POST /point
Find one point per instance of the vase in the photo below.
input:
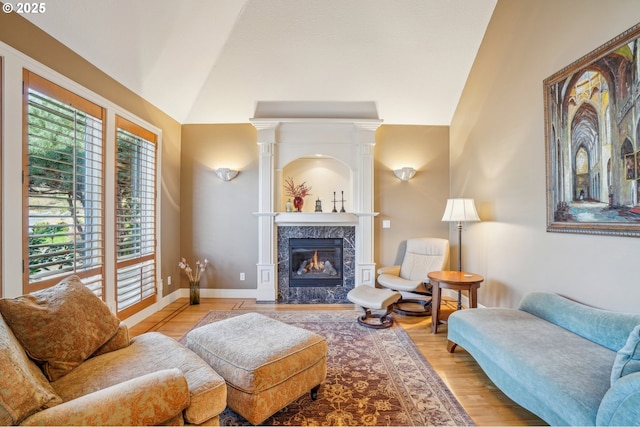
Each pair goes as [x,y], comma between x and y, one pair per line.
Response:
[297,203]
[194,292]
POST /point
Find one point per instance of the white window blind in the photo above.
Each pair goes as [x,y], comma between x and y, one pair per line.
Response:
[64,186]
[1,145]
[135,217]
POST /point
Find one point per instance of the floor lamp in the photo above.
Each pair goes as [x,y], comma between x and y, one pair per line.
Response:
[459,211]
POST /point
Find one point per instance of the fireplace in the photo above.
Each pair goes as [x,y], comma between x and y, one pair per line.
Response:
[322,289]
[289,131]
[315,262]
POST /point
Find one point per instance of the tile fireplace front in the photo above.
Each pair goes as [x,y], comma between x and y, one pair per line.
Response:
[315,264]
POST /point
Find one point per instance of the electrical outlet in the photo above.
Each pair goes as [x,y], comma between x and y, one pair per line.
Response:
[242,276]
[168,280]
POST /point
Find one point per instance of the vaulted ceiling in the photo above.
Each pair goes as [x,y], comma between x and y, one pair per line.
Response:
[212,61]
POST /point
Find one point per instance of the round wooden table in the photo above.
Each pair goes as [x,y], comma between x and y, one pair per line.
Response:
[456,280]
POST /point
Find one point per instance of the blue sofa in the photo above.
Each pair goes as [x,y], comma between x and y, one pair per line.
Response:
[566,362]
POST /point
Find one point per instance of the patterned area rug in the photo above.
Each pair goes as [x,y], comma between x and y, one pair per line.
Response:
[375,377]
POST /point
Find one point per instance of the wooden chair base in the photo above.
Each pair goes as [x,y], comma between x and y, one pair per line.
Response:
[423,310]
[381,321]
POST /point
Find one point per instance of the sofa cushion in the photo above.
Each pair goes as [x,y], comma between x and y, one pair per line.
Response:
[23,388]
[628,358]
[150,352]
[61,326]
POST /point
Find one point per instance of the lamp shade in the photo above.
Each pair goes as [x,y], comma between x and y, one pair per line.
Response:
[460,210]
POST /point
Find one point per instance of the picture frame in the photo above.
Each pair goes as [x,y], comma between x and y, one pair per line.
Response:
[592,141]
[630,166]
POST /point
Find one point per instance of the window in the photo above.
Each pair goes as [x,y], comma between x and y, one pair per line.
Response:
[1,145]
[135,217]
[63,186]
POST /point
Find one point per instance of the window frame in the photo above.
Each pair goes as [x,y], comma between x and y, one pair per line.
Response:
[42,85]
[148,136]
[1,168]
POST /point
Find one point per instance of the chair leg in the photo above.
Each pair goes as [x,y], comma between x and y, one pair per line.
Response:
[314,392]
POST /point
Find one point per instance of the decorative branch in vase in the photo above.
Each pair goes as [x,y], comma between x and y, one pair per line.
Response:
[194,278]
[298,192]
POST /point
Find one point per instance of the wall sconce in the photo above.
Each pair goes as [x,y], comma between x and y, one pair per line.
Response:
[404,174]
[226,174]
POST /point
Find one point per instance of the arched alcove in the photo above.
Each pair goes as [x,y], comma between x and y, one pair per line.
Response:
[328,178]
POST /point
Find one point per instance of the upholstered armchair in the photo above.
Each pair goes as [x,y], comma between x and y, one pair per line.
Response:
[422,256]
[65,359]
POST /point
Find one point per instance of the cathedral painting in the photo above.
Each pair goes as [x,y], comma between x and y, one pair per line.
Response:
[592,124]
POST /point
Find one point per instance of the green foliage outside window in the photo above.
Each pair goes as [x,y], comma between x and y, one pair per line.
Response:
[50,247]
[64,185]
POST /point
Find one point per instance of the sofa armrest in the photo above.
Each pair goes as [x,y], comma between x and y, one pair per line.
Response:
[393,270]
[151,399]
[620,405]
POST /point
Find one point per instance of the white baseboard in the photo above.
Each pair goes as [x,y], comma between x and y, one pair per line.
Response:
[217,293]
[226,293]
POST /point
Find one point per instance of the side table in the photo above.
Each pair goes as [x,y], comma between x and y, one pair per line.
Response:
[456,280]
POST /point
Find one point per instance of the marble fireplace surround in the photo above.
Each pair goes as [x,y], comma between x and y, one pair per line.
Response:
[320,295]
[288,131]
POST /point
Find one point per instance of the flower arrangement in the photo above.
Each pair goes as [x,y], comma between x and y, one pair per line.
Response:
[293,190]
[194,278]
[193,275]
[298,192]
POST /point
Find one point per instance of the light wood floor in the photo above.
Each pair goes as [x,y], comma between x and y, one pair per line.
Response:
[484,403]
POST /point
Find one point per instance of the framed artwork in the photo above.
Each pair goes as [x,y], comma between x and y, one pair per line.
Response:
[630,166]
[592,141]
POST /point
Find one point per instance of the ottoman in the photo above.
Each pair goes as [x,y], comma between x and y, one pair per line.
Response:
[370,298]
[267,364]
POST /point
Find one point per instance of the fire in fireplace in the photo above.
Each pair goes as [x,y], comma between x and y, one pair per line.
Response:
[315,262]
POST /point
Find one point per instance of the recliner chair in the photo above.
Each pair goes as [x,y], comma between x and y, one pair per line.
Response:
[422,256]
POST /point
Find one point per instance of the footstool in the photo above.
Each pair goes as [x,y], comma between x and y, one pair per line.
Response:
[370,298]
[267,364]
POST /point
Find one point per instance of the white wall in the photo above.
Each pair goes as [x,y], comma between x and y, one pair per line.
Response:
[498,157]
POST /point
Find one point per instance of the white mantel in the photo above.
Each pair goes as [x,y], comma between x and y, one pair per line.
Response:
[318,218]
[283,140]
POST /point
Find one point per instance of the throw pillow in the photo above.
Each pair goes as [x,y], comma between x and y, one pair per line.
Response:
[61,326]
[23,388]
[628,357]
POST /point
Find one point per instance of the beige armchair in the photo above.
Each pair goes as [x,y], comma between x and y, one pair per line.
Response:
[65,359]
[422,256]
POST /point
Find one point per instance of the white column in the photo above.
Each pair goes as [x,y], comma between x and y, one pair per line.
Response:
[365,265]
[266,266]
